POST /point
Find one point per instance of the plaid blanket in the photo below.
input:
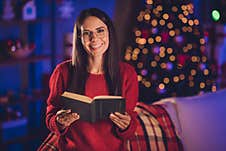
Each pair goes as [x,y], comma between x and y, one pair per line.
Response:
[155,132]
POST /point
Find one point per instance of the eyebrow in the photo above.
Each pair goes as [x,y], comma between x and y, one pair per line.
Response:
[96,28]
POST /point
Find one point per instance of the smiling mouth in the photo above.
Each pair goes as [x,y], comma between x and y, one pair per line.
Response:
[96,46]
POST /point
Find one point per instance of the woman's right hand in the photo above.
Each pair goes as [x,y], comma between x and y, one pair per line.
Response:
[65,118]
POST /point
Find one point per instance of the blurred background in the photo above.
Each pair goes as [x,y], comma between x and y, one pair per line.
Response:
[176,46]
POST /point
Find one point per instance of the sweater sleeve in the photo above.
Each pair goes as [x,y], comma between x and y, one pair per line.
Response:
[56,86]
[130,92]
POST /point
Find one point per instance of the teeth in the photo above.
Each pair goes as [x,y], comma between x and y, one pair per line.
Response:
[96,46]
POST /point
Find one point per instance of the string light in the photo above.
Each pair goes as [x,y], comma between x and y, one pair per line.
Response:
[158,38]
[139,78]
[138,33]
[206,72]
[174,9]
[162,22]
[147,17]
[166,80]
[149,2]
[145,51]
[170,25]
[169,50]
[202,85]
[176,79]
[154,22]
[165,16]
[153,63]
[161,86]
[150,40]
[172,58]
[140,65]
[172,33]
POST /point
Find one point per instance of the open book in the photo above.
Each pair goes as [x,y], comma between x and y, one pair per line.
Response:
[94,109]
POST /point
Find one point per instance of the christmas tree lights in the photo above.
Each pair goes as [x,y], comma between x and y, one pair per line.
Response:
[168,51]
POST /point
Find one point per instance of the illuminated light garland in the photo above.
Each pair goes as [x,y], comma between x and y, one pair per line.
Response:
[174,9]
[150,40]
[190,22]
[172,33]
[145,51]
[202,41]
[182,76]
[170,25]
[153,64]
[202,85]
[138,33]
[158,38]
[191,84]
[162,22]
[165,16]
[147,17]
[206,72]
[161,86]
[149,2]
[166,80]
[193,72]
[154,23]
[140,65]
[172,58]
[139,78]
[169,50]
[176,79]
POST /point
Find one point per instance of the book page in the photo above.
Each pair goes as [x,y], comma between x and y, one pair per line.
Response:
[107,97]
[77,97]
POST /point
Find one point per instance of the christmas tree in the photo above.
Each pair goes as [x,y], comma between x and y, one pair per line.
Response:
[168,51]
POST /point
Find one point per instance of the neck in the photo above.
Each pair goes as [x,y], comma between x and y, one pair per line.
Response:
[95,65]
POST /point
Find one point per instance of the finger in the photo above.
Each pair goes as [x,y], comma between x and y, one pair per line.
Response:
[119,124]
[63,112]
[122,116]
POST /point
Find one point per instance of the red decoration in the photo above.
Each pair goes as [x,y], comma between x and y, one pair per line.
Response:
[181,59]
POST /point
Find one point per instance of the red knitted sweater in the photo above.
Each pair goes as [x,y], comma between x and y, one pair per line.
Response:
[102,135]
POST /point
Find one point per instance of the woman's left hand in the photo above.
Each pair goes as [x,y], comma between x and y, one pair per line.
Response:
[121,120]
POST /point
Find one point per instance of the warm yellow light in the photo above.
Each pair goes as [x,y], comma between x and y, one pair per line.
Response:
[145,51]
[159,8]
[149,2]
[172,33]
[180,16]
[162,54]
[147,17]
[140,65]
[185,49]
[162,49]
[206,72]
[161,86]
[194,59]
[139,78]
[193,72]
[184,20]
[191,84]
[170,25]
[147,84]
[158,39]
[174,9]
[153,63]
[142,41]
[185,13]
[190,22]
[202,41]
[127,56]
[214,88]
[189,46]
[204,59]
[172,58]
[169,50]
[165,16]
[150,40]
[176,79]
[138,33]
[154,22]
[202,85]
[182,76]
[196,22]
[140,18]
[189,29]
[157,58]
[183,7]
[136,51]
[137,40]
[134,57]
[184,29]
[162,22]
[166,80]
[163,65]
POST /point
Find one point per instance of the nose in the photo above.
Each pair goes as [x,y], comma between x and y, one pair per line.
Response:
[93,36]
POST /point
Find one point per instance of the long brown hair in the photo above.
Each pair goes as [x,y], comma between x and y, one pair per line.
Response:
[79,55]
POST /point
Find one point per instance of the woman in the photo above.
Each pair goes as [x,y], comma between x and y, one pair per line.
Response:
[94,70]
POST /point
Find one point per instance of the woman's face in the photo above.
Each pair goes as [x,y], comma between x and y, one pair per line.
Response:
[94,36]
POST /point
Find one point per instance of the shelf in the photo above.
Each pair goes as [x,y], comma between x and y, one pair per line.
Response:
[13,61]
[16,22]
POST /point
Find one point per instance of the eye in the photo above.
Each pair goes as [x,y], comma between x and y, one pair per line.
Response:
[100,30]
[86,33]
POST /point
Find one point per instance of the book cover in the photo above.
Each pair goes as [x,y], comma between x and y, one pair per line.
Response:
[94,109]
